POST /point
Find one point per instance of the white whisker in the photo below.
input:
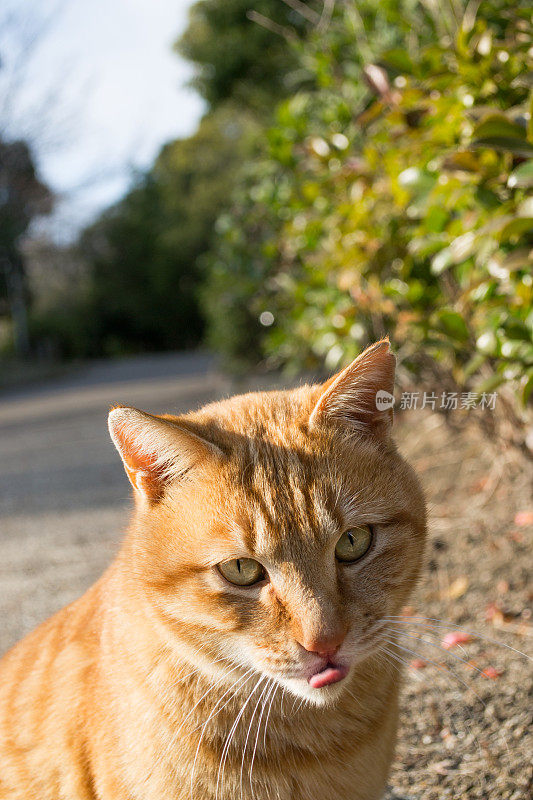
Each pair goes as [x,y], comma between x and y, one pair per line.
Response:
[438,647]
[269,710]
[225,749]
[443,625]
[265,687]
[441,667]
[233,690]
[270,685]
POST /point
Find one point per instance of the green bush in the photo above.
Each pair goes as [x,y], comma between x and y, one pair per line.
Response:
[394,197]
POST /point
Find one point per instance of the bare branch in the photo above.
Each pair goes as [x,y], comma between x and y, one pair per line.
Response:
[23,115]
[304,10]
[270,25]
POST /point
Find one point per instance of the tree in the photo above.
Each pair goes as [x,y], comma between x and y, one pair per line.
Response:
[145,253]
[239,59]
[23,196]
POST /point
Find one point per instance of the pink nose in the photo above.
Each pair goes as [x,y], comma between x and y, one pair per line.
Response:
[326,646]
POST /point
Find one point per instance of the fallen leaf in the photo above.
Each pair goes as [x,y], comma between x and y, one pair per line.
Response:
[455,638]
[523,518]
[418,663]
[457,588]
[494,614]
[498,615]
[492,672]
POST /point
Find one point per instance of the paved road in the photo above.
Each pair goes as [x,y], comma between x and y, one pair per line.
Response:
[64,498]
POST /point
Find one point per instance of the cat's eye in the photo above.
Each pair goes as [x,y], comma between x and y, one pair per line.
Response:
[242,571]
[353,544]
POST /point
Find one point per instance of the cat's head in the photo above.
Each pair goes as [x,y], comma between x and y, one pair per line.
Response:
[277,530]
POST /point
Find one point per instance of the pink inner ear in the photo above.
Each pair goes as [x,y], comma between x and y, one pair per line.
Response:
[134,456]
[155,449]
[140,465]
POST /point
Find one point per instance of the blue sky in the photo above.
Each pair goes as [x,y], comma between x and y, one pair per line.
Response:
[101,91]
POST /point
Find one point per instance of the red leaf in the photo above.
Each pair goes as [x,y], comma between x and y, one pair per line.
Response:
[417,663]
[492,672]
[455,638]
[523,518]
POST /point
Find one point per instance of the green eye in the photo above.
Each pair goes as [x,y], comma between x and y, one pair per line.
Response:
[242,571]
[353,544]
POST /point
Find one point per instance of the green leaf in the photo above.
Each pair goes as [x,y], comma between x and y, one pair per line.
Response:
[528,389]
[500,133]
[441,262]
[516,329]
[490,384]
[453,324]
[399,59]
[487,343]
[509,144]
[473,364]
[487,198]
[521,177]
[497,126]
[418,181]
[516,227]
[459,250]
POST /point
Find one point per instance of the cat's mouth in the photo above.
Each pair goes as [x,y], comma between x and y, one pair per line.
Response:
[331,673]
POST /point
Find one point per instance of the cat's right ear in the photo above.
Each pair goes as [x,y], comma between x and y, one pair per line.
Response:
[360,397]
[154,450]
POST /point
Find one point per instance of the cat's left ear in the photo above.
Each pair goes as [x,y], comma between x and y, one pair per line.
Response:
[361,396]
[155,451]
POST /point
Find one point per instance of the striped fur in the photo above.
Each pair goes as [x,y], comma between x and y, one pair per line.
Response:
[165,682]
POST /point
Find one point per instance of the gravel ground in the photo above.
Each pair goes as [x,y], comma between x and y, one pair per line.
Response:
[466,729]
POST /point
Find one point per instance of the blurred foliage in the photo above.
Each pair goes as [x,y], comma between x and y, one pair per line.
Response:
[394,197]
[238,59]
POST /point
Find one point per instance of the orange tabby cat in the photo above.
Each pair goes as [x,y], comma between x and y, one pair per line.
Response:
[232,650]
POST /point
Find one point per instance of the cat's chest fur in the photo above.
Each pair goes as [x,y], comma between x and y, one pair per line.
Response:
[257,745]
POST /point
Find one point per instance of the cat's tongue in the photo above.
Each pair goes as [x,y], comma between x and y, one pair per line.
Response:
[329,674]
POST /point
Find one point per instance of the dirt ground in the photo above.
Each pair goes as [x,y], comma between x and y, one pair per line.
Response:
[466,725]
